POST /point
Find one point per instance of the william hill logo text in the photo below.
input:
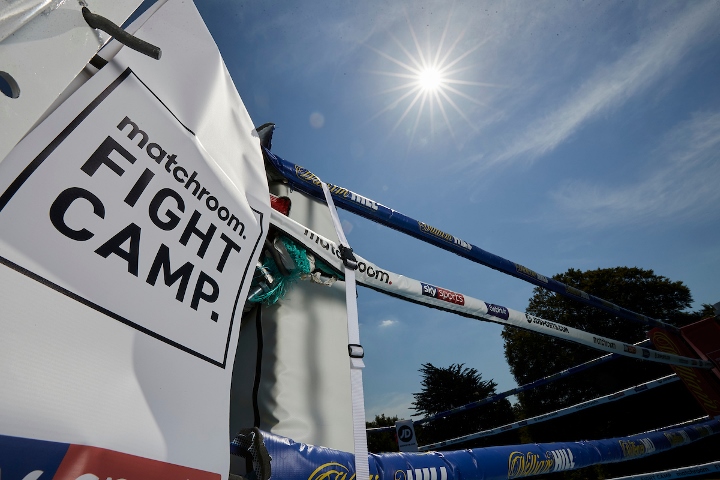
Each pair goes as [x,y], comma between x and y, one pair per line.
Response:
[436,232]
[309,177]
[528,464]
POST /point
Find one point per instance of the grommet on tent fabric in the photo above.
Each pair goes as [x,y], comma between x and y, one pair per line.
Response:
[356,351]
[346,253]
[106,25]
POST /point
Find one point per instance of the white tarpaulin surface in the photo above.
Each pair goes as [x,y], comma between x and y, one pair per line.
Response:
[300,384]
[49,43]
[129,221]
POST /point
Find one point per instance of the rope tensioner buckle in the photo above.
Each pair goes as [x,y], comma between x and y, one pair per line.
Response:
[356,350]
[346,254]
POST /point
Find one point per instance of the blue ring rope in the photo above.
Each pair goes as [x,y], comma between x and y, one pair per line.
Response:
[305,181]
[523,388]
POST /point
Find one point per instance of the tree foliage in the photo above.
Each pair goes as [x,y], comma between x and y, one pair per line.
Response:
[532,356]
[382,442]
[454,386]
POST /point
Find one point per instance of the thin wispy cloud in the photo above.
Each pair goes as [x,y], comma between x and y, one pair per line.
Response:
[388,323]
[680,183]
[655,55]
[330,36]
[391,404]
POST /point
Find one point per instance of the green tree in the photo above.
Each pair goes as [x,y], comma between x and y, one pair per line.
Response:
[532,356]
[382,442]
[454,386]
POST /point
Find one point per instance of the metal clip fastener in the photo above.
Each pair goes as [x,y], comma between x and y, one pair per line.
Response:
[347,256]
[355,350]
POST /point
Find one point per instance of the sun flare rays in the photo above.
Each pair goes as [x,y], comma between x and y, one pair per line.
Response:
[430,82]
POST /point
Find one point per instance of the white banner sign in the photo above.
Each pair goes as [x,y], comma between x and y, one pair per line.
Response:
[123,213]
[131,220]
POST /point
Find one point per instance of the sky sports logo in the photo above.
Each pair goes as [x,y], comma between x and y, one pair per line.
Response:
[497,311]
[442,294]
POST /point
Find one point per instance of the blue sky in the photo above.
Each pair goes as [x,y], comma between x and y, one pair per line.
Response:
[563,134]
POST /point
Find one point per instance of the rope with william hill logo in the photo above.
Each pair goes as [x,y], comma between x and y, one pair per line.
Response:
[301,461]
[305,181]
[401,286]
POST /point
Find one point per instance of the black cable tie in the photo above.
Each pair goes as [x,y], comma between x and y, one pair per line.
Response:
[346,254]
[106,25]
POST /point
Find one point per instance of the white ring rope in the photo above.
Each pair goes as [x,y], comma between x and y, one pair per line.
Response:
[678,425]
[557,413]
[369,275]
[684,472]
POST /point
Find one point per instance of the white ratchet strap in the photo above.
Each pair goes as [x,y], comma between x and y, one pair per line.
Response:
[355,350]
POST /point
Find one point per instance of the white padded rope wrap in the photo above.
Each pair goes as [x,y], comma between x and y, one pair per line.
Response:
[372,276]
[362,470]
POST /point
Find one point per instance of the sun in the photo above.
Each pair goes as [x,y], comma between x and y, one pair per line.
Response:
[430,79]
[433,79]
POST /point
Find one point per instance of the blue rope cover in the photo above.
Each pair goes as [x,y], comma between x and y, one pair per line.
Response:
[305,181]
[298,461]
